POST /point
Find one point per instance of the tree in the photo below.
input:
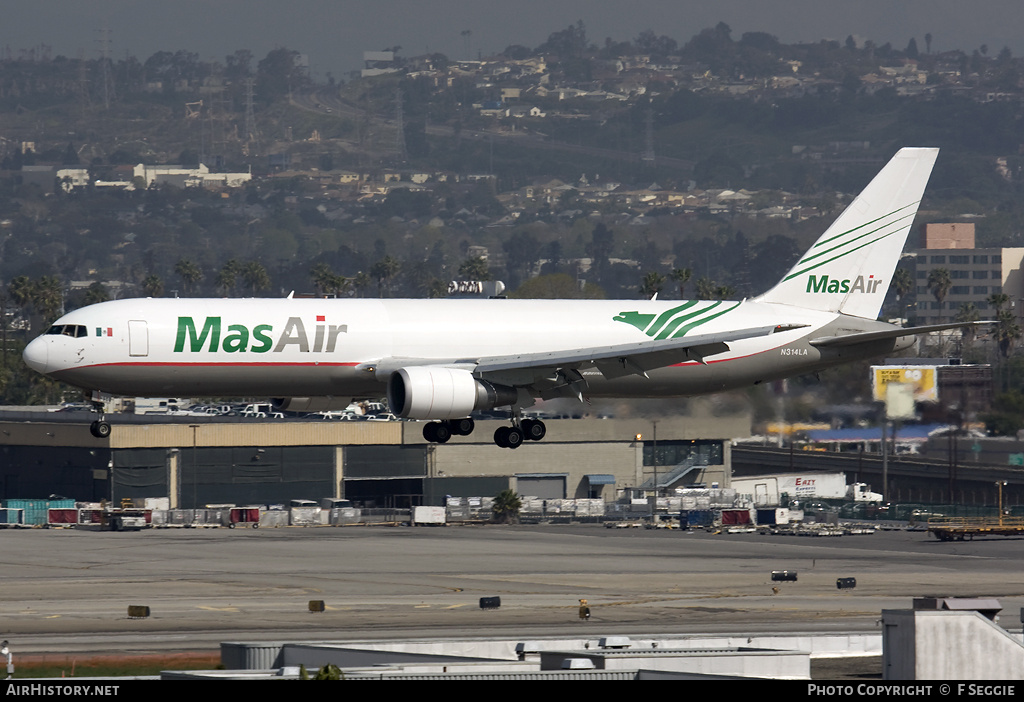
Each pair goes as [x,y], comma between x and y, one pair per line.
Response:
[279,74]
[681,276]
[705,288]
[940,283]
[189,273]
[998,301]
[384,271]
[227,277]
[506,506]
[1007,332]
[48,297]
[96,293]
[474,268]
[322,277]
[902,283]
[724,292]
[652,284]
[361,281]
[153,285]
[967,313]
[255,276]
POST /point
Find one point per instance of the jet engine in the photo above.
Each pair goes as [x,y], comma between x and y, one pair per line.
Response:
[434,392]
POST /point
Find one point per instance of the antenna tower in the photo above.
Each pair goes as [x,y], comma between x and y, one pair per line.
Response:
[400,123]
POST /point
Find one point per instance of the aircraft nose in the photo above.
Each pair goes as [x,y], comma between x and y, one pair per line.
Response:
[36,355]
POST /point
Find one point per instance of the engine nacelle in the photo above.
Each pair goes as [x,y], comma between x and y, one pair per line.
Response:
[310,404]
[433,392]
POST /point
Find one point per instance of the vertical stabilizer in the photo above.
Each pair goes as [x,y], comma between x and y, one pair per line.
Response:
[850,267]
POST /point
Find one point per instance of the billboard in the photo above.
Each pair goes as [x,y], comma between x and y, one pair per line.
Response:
[923,379]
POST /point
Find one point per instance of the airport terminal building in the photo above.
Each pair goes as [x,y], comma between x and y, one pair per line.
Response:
[195,461]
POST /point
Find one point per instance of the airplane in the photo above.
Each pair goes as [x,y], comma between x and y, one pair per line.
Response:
[442,360]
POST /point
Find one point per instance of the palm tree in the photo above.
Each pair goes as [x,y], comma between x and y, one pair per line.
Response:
[474,268]
[21,290]
[998,301]
[652,284]
[1007,332]
[338,285]
[189,273]
[705,288]
[255,276]
[96,293]
[681,276]
[361,282]
[724,292]
[436,288]
[940,283]
[384,271]
[322,277]
[49,297]
[227,277]
[968,313]
[902,283]
[506,506]
[153,286]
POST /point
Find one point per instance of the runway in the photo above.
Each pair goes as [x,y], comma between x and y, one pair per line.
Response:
[69,591]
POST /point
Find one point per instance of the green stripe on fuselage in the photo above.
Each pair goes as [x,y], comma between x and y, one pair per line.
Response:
[674,324]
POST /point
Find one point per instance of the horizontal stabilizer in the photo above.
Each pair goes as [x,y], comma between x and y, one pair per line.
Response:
[894,333]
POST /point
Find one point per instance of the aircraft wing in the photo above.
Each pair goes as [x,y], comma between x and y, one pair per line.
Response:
[612,361]
[625,359]
[895,332]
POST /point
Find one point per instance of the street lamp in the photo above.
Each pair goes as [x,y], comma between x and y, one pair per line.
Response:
[195,479]
[1000,484]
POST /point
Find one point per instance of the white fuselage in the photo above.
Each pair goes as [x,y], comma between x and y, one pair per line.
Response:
[329,347]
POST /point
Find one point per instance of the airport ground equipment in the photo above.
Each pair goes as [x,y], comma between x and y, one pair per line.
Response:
[961,528]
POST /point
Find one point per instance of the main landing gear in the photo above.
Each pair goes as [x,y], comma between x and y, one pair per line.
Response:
[525,430]
[440,432]
[506,437]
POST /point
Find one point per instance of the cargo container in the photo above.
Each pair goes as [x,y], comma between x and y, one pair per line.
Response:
[696,518]
[36,512]
[428,515]
[735,517]
[774,516]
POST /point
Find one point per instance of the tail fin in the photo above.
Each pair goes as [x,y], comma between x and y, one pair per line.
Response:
[849,268]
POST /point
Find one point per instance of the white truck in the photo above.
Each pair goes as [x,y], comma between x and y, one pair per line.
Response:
[768,490]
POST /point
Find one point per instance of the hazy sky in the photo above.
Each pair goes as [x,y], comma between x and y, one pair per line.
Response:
[334,33]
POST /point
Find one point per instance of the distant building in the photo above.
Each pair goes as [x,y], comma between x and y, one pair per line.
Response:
[975,273]
[188,177]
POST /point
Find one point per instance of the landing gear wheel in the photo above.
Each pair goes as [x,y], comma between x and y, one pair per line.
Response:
[462,427]
[514,438]
[501,436]
[437,432]
[443,432]
[534,429]
[100,429]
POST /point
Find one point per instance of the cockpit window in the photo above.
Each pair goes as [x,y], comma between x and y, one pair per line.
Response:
[75,330]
